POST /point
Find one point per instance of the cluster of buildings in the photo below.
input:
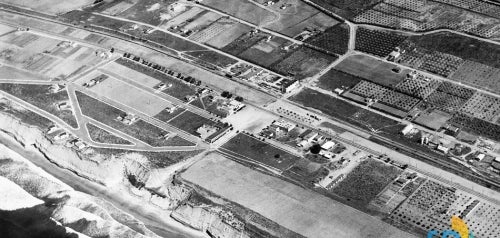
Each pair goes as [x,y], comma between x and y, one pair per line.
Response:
[127,119]
[211,133]
[263,79]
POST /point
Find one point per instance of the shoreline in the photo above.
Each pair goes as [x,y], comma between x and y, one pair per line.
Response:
[164,226]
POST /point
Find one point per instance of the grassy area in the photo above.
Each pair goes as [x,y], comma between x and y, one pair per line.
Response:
[303,62]
[156,159]
[213,58]
[461,46]
[189,122]
[100,135]
[337,79]
[335,39]
[367,180]
[178,90]
[166,116]
[41,97]
[142,11]
[250,147]
[26,116]
[347,8]
[173,42]
[141,130]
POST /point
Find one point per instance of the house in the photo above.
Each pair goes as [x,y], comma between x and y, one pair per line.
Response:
[190,98]
[171,109]
[303,143]
[61,136]
[311,136]
[64,106]
[284,125]
[338,91]
[289,85]
[54,88]
[394,55]
[327,154]
[443,149]
[328,145]
[480,157]
[408,128]
[205,131]
[128,119]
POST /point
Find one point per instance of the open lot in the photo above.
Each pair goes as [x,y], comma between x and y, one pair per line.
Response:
[303,62]
[337,79]
[140,130]
[243,9]
[372,69]
[100,135]
[127,72]
[41,97]
[250,148]
[51,7]
[367,180]
[189,122]
[305,212]
[126,94]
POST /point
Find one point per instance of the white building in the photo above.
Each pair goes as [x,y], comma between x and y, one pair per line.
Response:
[328,145]
[407,129]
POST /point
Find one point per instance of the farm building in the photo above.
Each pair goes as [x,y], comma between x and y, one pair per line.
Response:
[206,130]
[328,145]
[284,125]
[408,128]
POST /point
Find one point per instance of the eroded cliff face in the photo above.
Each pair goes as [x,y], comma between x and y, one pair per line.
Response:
[157,194]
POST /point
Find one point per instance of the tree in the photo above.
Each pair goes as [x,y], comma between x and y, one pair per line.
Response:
[225,94]
[239,99]
[315,149]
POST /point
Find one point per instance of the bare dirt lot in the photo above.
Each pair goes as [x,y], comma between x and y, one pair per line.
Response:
[291,206]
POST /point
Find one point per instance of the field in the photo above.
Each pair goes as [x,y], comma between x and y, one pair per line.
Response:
[369,90]
[476,126]
[244,42]
[372,69]
[334,39]
[24,115]
[478,75]
[242,9]
[41,97]
[460,46]
[483,106]
[233,32]
[446,102]
[100,135]
[189,122]
[299,16]
[130,96]
[367,180]
[433,119]
[345,8]
[303,62]
[178,90]
[141,130]
[399,100]
[213,30]
[147,11]
[249,148]
[379,43]
[119,67]
[337,79]
[300,210]
[420,87]
[50,6]
[440,63]
[165,116]
[213,57]
[173,42]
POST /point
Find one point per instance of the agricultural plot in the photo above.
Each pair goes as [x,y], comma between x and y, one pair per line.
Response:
[372,69]
[426,209]
[367,180]
[212,57]
[8,72]
[213,30]
[228,35]
[100,135]
[41,97]
[244,42]
[369,90]
[337,79]
[478,75]
[446,102]
[173,42]
[347,9]
[433,119]
[460,46]
[249,148]
[297,17]
[335,39]
[178,90]
[140,129]
[147,11]
[265,52]
[440,63]
[379,43]
[399,100]
[303,62]
[456,90]
[476,126]
[483,106]
[190,122]
[201,21]
[420,87]
[166,116]
[243,9]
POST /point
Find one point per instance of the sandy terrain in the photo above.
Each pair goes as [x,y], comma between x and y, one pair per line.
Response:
[14,197]
[293,207]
